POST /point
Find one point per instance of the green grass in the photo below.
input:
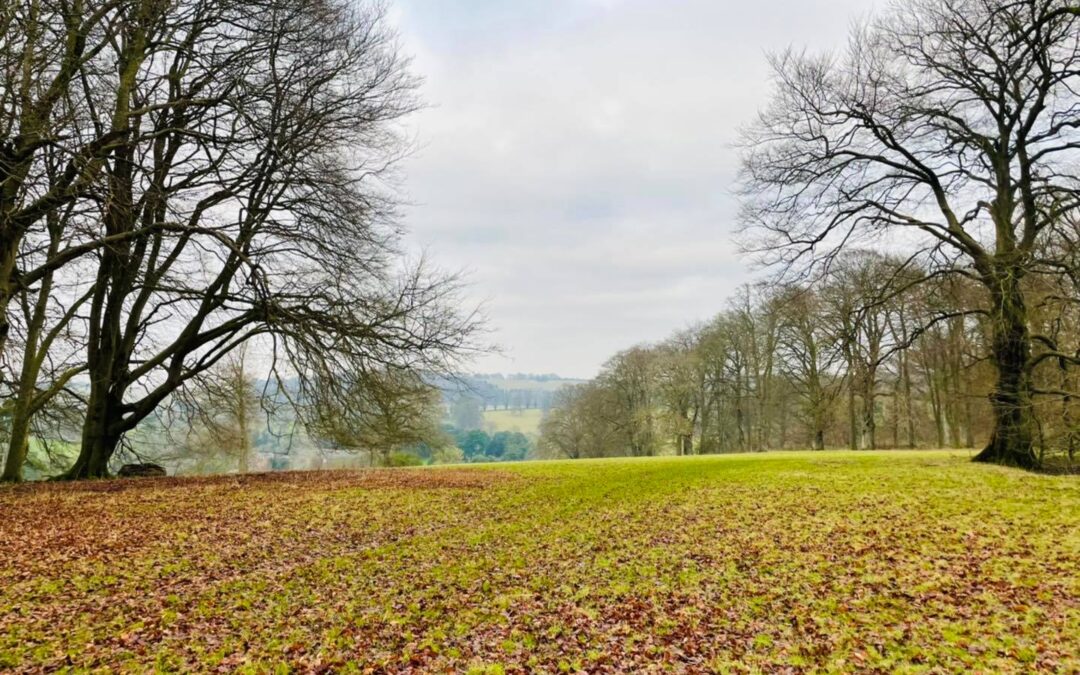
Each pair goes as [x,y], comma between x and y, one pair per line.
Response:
[524,421]
[807,562]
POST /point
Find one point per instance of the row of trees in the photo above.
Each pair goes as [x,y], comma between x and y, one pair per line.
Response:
[179,179]
[876,355]
[503,392]
[949,130]
[948,133]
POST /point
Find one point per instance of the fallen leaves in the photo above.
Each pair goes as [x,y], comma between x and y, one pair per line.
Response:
[912,562]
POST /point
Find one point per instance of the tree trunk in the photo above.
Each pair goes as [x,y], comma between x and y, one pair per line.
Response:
[853,423]
[23,408]
[705,441]
[8,255]
[99,438]
[909,410]
[783,422]
[739,424]
[969,424]
[21,413]
[243,462]
[242,392]
[1012,441]
[896,415]
[94,456]
[19,443]
[869,417]
[935,404]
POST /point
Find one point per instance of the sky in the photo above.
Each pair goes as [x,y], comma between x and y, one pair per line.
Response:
[577,160]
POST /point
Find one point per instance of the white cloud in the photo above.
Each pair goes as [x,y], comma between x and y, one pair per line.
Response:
[578,158]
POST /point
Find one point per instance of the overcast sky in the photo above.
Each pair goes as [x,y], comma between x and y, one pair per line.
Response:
[576,159]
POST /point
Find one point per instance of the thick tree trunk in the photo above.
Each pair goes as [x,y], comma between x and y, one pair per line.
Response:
[99,439]
[23,408]
[94,456]
[19,439]
[1013,438]
[18,444]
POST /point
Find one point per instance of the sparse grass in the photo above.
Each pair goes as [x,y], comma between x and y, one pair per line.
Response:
[906,562]
[523,421]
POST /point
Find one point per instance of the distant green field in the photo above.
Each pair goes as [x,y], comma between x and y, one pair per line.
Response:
[915,562]
[524,421]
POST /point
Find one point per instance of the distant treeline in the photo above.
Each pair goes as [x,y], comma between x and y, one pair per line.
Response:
[503,392]
[875,355]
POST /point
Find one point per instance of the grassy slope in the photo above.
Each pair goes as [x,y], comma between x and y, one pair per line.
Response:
[911,562]
[525,421]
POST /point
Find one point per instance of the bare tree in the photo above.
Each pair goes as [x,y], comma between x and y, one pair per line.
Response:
[54,57]
[385,411]
[44,345]
[248,199]
[755,332]
[677,365]
[582,423]
[877,317]
[631,378]
[809,358]
[220,411]
[950,126]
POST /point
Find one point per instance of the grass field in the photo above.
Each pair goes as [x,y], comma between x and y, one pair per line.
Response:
[524,421]
[906,562]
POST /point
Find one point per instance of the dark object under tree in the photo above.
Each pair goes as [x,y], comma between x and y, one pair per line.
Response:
[144,470]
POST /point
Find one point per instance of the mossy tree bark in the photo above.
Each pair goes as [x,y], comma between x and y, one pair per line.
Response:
[1013,440]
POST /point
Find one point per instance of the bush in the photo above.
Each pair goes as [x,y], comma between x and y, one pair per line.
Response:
[403,459]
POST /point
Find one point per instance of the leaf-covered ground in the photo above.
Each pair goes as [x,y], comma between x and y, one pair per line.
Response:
[906,562]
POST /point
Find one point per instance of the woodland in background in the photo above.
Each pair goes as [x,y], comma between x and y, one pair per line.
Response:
[948,133]
[874,356]
[918,196]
